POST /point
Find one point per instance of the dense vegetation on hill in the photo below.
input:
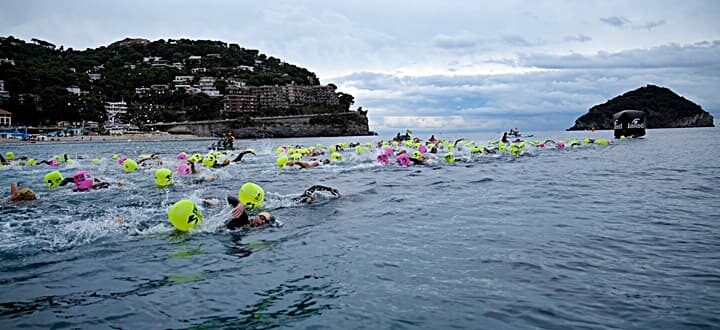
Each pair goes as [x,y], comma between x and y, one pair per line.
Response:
[663,107]
[41,73]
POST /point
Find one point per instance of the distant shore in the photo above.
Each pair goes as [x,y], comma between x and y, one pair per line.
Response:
[149,137]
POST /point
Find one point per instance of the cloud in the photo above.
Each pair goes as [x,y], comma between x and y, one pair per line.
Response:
[650,25]
[616,21]
[666,56]
[544,100]
[622,22]
[458,41]
[577,38]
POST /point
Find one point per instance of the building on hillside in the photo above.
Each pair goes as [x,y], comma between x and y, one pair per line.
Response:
[113,109]
[4,95]
[143,91]
[74,89]
[198,70]
[5,118]
[260,98]
[7,61]
[159,87]
[152,59]
[195,58]
[245,68]
[183,79]
[94,76]
[2,85]
[207,86]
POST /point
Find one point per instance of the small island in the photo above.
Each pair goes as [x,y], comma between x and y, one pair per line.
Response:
[663,107]
[180,86]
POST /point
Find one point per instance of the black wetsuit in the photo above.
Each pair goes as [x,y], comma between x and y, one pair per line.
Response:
[240,222]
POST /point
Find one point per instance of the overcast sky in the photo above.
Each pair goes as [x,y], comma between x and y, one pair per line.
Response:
[433,65]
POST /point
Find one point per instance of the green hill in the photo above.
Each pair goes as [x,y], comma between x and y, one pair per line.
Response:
[663,107]
[48,83]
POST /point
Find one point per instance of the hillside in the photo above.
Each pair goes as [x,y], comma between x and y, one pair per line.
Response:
[162,80]
[663,107]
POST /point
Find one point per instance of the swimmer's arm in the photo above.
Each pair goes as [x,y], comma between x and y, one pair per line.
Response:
[417,161]
[13,190]
[66,181]
[311,190]
[457,141]
[192,168]
[240,156]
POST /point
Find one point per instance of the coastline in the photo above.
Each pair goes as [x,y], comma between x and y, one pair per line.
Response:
[113,138]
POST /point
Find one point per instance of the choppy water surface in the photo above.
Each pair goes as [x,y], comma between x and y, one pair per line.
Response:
[625,236]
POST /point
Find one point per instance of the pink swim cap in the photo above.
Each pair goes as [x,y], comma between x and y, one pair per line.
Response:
[403,160]
[422,149]
[383,159]
[54,163]
[83,180]
[183,169]
[560,145]
[182,156]
[389,152]
[541,145]
[121,160]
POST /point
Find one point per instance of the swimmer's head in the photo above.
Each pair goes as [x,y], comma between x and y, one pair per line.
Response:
[183,169]
[82,180]
[26,194]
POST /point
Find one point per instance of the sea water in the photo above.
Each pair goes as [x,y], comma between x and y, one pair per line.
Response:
[624,236]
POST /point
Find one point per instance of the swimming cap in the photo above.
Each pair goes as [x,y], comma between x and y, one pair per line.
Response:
[129,165]
[449,157]
[60,158]
[251,195]
[121,160]
[395,143]
[184,215]
[10,155]
[53,179]
[383,159]
[560,145]
[389,152]
[209,160]
[83,180]
[422,149]
[95,161]
[336,156]
[622,137]
[417,154]
[588,141]
[195,158]
[69,161]
[281,161]
[163,177]
[183,169]
[115,156]
[53,163]
[408,143]
[296,156]
[602,142]
[181,156]
[502,147]
[476,150]
[360,150]
[515,150]
[31,162]
[279,150]
[403,160]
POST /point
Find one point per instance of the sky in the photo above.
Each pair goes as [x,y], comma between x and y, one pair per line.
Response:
[432,65]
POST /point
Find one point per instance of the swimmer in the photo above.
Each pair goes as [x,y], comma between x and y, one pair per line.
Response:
[154,157]
[240,156]
[310,194]
[20,195]
[504,138]
[310,164]
[241,219]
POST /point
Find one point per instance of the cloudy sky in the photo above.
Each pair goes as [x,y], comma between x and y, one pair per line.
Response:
[432,65]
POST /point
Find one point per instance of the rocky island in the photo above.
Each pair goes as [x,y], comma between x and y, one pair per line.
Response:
[182,86]
[663,107]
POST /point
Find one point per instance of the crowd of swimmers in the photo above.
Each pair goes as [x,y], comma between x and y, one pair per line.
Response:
[403,151]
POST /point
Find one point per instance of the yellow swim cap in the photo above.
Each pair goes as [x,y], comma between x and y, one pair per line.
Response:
[31,162]
[279,150]
[281,161]
[163,177]
[129,165]
[251,195]
[95,161]
[10,155]
[53,179]
[336,156]
[449,157]
[209,160]
[360,150]
[184,215]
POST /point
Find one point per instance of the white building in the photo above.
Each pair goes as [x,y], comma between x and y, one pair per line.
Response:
[7,60]
[94,76]
[5,118]
[2,85]
[74,90]
[245,68]
[113,109]
[151,59]
[195,58]
[183,79]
